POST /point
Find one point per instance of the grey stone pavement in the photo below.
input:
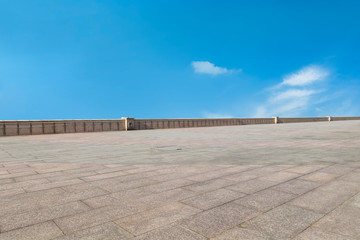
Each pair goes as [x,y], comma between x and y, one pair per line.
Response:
[285,181]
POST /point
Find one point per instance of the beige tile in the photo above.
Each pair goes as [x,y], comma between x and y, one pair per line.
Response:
[168,185]
[354,201]
[283,222]
[344,220]
[104,176]
[11,192]
[213,199]
[131,194]
[14,175]
[352,177]
[23,184]
[265,200]
[252,186]
[45,186]
[305,169]
[320,177]
[171,232]
[118,185]
[296,186]
[241,233]
[15,204]
[341,187]
[10,222]
[155,218]
[6,180]
[101,201]
[241,177]
[217,220]
[320,201]
[280,176]
[106,231]
[209,185]
[91,218]
[316,234]
[42,231]
[338,169]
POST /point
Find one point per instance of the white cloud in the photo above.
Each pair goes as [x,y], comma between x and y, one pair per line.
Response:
[294,107]
[205,67]
[291,107]
[305,76]
[290,98]
[291,94]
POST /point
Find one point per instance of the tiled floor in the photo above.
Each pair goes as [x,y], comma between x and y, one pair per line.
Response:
[286,181]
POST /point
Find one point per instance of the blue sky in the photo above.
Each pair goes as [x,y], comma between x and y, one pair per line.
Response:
[65,59]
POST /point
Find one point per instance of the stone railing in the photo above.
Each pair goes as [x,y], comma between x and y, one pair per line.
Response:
[36,127]
[140,124]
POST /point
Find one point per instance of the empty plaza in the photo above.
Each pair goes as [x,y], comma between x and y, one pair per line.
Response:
[275,181]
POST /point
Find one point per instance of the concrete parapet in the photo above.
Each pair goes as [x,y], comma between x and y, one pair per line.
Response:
[70,127]
[276,119]
[129,124]
[306,119]
[344,118]
[24,129]
[36,127]
[140,124]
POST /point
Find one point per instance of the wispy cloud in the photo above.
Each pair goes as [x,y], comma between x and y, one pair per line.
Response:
[205,67]
[295,94]
[305,76]
[291,94]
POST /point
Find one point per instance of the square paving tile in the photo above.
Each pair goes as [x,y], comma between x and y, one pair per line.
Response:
[354,201]
[252,186]
[155,218]
[320,201]
[213,199]
[279,177]
[296,186]
[171,232]
[316,234]
[304,169]
[42,231]
[106,231]
[320,177]
[10,222]
[341,187]
[217,220]
[283,222]
[344,220]
[209,185]
[241,233]
[265,200]
[352,177]
[240,177]
[338,169]
[91,218]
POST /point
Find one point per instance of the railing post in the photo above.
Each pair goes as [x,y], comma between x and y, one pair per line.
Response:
[276,120]
[129,123]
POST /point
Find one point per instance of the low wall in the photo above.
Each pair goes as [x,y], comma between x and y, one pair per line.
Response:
[140,124]
[13,128]
[36,127]
[344,118]
[307,119]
